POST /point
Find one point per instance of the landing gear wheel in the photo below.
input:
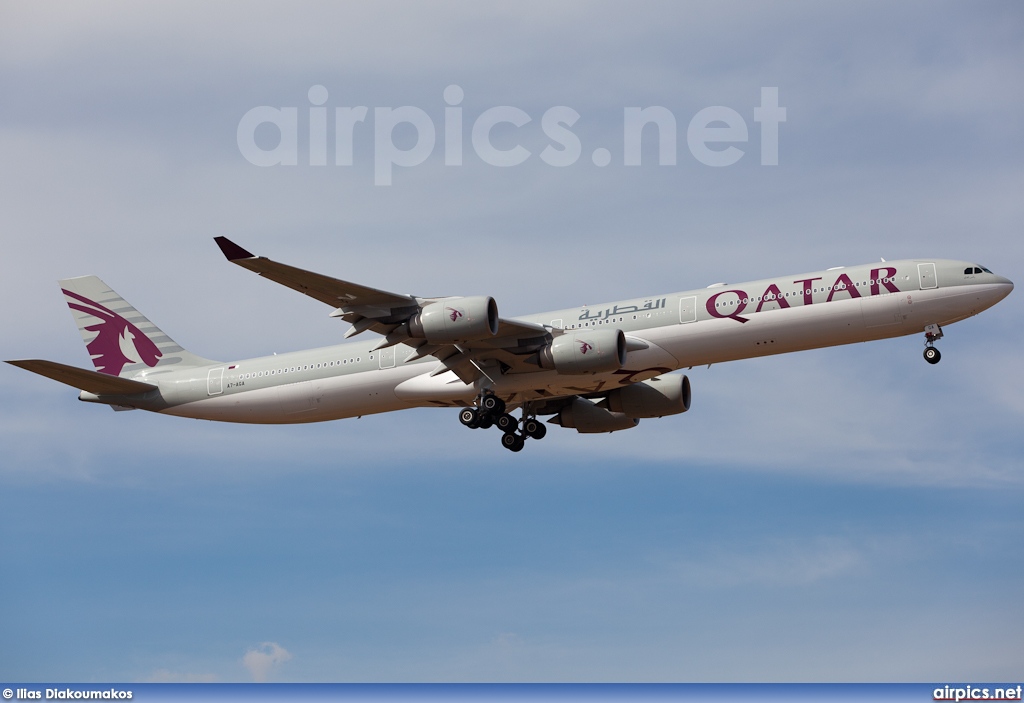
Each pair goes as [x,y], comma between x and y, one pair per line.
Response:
[485,421]
[512,442]
[507,424]
[932,355]
[534,428]
[492,405]
[469,417]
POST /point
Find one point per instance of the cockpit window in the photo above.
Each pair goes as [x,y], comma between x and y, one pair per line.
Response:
[985,270]
[968,271]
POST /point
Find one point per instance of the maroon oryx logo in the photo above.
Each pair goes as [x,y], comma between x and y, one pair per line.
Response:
[454,313]
[584,346]
[117,342]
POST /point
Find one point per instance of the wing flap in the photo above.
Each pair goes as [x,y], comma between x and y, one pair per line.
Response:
[83,379]
[519,330]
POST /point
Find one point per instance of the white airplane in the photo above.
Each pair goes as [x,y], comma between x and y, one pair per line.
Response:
[597,368]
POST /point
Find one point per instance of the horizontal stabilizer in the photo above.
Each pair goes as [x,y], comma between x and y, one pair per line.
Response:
[90,381]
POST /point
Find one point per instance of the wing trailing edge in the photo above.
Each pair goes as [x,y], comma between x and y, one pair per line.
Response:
[332,291]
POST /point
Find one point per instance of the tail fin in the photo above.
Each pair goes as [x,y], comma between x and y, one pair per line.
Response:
[121,340]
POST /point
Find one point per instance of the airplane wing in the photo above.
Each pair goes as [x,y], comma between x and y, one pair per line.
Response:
[388,314]
[332,291]
[90,381]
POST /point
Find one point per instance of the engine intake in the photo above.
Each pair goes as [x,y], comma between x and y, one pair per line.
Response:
[597,351]
[456,319]
[656,397]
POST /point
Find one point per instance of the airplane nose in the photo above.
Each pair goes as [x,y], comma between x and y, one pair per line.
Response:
[1005,286]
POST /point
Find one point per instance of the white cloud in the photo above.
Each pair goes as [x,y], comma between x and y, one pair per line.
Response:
[264,660]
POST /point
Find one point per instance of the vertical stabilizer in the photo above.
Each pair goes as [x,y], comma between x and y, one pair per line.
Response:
[120,339]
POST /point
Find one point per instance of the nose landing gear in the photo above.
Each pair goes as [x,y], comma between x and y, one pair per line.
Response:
[932,333]
[490,411]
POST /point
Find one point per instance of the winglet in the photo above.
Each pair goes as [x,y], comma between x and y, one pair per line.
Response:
[231,250]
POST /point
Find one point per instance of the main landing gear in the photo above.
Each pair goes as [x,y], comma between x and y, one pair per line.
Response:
[490,412]
[932,333]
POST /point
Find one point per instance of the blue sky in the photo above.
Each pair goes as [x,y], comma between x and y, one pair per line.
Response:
[842,514]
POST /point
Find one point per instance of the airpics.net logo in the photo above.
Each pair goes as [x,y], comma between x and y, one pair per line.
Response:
[712,134]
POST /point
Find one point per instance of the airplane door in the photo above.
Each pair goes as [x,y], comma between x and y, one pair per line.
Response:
[215,381]
[926,272]
[688,309]
[386,357]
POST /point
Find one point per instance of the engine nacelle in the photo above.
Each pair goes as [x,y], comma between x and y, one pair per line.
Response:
[586,417]
[656,397]
[597,351]
[456,319]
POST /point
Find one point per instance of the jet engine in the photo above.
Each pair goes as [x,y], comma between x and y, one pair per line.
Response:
[656,397]
[596,351]
[586,417]
[456,319]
